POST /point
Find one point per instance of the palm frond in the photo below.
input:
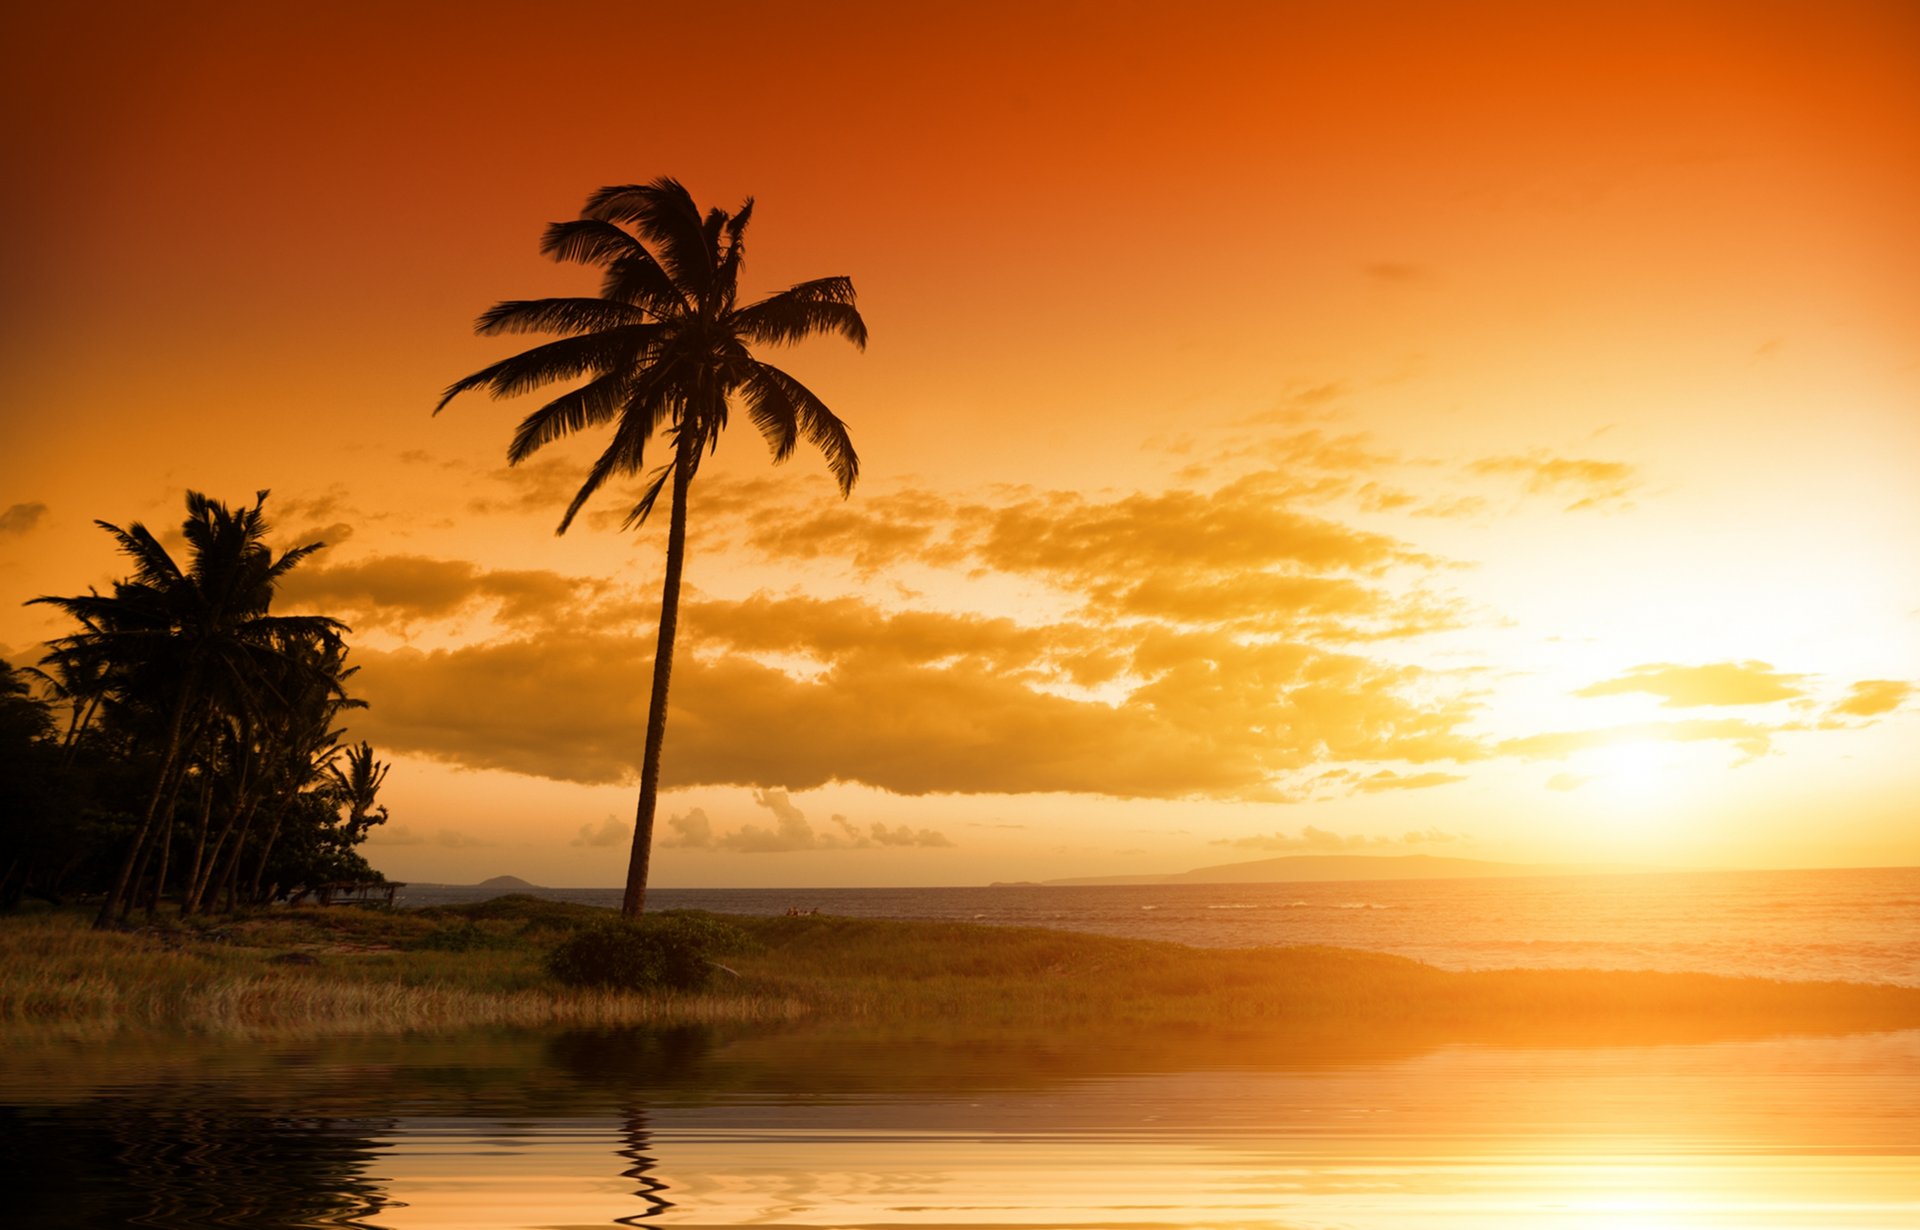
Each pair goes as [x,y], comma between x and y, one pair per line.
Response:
[639,280]
[596,353]
[656,482]
[589,241]
[625,453]
[818,425]
[591,404]
[566,316]
[666,218]
[290,557]
[735,253]
[824,305]
[152,562]
[770,409]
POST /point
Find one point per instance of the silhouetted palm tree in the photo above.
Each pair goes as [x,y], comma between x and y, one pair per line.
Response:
[664,348]
[181,640]
[358,786]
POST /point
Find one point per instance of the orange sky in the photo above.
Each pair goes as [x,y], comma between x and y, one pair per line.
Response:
[1473,429]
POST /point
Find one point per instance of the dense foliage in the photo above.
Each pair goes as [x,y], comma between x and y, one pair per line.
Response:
[662,952]
[184,741]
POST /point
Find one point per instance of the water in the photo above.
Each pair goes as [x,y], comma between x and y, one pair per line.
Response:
[515,1131]
[1852,925]
[851,1126]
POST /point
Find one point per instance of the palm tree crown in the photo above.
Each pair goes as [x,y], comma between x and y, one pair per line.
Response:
[664,348]
[665,345]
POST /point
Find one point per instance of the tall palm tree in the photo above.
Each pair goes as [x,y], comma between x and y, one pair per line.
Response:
[664,349]
[179,641]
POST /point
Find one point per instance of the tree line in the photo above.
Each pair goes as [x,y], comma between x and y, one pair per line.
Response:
[182,741]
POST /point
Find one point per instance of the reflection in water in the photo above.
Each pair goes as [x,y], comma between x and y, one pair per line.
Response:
[131,1160]
[641,1172]
[509,1133]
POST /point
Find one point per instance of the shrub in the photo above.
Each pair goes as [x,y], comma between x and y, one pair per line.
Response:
[647,954]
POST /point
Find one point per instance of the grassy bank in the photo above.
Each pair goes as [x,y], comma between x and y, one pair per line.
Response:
[311,972]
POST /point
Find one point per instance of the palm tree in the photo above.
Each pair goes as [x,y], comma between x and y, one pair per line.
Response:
[179,642]
[664,348]
[358,785]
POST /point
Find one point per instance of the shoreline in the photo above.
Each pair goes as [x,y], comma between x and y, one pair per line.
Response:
[311,971]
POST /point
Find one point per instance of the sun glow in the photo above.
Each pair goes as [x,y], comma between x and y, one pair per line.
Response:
[1642,771]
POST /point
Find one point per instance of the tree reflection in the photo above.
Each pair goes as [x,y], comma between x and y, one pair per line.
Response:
[138,1161]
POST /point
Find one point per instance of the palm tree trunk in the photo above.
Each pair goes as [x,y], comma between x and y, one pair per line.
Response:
[164,835]
[266,852]
[635,902]
[244,799]
[199,840]
[110,908]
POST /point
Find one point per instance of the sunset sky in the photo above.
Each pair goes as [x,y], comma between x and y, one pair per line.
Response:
[1486,430]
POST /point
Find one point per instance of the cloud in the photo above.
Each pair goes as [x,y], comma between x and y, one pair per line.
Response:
[1718,683]
[1595,483]
[1752,738]
[790,831]
[693,831]
[902,835]
[609,832]
[1873,697]
[400,590]
[1312,840]
[1387,779]
[1187,643]
[1564,781]
[1240,554]
[402,835]
[21,518]
[972,704]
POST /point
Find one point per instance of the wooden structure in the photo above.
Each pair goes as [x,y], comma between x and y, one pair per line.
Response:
[353,892]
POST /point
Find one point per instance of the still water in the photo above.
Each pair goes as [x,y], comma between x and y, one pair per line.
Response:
[818,1128]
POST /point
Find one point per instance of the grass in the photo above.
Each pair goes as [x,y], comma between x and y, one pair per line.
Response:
[316,972]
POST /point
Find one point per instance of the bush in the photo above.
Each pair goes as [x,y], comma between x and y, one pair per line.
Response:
[648,954]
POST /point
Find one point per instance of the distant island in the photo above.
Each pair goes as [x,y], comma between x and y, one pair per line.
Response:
[1296,868]
[502,884]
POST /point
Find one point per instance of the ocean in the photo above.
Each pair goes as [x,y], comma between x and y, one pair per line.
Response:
[1858,925]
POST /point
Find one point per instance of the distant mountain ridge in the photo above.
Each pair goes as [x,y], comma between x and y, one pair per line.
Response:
[1302,868]
[506,883]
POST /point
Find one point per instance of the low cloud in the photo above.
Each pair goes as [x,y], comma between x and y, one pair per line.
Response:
[400,590]
[1718,683]
[1312,840]
[1387,779]
[21,518]
[1873,697]
[1196,643]
[790,831]
[1564,781]
[972,705]
[401,835]
[612,831]
[1752,738]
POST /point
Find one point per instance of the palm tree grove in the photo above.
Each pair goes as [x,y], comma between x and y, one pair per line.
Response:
[200,754]
[662,355]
